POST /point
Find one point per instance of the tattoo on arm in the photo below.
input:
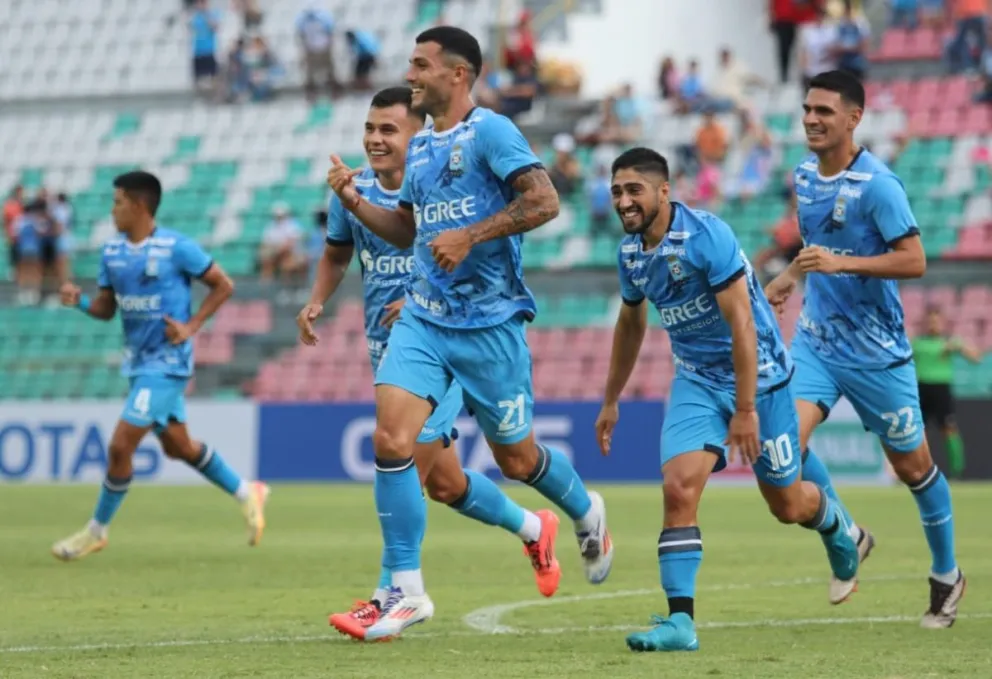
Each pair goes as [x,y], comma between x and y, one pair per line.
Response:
[536,204]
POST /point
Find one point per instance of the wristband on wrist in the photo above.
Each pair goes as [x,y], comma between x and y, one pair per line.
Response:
[84,303]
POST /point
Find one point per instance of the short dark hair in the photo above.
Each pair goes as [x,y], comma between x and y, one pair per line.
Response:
[843,83]
[141,186]
[641,159]
[397,96]
[455,41]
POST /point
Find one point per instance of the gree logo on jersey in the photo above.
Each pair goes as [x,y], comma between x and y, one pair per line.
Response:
[139,303]
[386,265]
[844,252]
[687,311]
[434,213]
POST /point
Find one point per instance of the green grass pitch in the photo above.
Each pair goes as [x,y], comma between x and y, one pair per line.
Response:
[178,593]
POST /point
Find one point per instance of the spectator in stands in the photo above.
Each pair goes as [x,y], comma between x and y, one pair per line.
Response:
[787,16]
[785,247]
[904,14]
[236,75]
[691,96]
[250,13]
[518,97]
[260,68]
[315,31]
[204,24]
[13,208]
[605,127]
[365,47]
[282,250]
[756,148]
[565,171]
[61,214]
[731,83]
[816,47]
[712,140]
[984,94]
[31,228]
[318,238]
[851,47]
[599,197]
[933,14]
[964,50]
[520,45]
[668,79]
[487,87]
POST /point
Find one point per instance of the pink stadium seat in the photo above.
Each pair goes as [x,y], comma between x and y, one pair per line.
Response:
[894,46]
[977,120]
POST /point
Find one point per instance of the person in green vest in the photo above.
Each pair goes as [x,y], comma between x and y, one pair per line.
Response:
[933,352]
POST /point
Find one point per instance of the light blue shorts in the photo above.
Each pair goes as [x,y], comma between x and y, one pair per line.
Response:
[492,365]
[155,401]
[887,400]
[697,418]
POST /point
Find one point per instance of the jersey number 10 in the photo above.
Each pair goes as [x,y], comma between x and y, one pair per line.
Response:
[779,451]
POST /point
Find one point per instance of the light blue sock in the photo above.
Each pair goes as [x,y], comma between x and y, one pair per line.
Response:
[112,494]
[933,497]
[555,478]
[399,501]
[816,472]
[680,551]
[485,502]
[216,470]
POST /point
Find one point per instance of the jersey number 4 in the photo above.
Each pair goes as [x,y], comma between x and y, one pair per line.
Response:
[142,401]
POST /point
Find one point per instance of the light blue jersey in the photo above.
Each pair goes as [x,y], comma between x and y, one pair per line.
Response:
[386,272]
[454,179]
[699,257]
[151,280]
[849,320]
[385,268]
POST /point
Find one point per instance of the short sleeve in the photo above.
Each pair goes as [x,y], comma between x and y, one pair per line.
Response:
[338,229]
[629,292]
[887,206]
[103,276]
[504,148]
[406,191]
[715,251]
[190,258]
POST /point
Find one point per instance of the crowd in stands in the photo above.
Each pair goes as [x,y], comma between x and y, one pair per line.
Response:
[38,233]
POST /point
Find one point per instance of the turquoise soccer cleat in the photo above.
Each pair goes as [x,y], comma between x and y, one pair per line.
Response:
[677,633]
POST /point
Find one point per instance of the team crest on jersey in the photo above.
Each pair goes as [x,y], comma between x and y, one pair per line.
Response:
[151,267]
[675,268]
[456,161]
[840,210]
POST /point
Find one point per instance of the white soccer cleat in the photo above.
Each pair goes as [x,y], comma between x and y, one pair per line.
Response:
[79,544]
[254,511]
[944,601]
[841,590]
[596,545]
[399,612]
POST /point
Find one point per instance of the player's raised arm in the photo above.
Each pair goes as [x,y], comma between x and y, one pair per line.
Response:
[331,268]
[393,226]
[510,158]
[102,307]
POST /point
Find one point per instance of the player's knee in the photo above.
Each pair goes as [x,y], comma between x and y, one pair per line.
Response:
[911,468]
[681,498]
[118,454]
[516,464]
[788,512]
[443,489]
[392,445]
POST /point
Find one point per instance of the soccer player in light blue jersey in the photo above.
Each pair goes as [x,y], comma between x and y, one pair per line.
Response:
[860,237]
[472,187]
[145,274]
[731,394]
[385,271]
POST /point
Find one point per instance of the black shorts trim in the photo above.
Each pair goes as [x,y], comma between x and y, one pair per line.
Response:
[207,268]
[406,205]
[338,243]
[512,177]
[633,302]
[720,287]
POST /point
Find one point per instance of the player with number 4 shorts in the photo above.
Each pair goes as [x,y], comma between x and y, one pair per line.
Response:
[385,271]
[731,395]
[145,274]
[471,188]
[860,236]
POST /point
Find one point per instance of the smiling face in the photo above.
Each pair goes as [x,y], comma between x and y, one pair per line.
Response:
[828,119]
[638,198]
[434,76]
[387,134]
